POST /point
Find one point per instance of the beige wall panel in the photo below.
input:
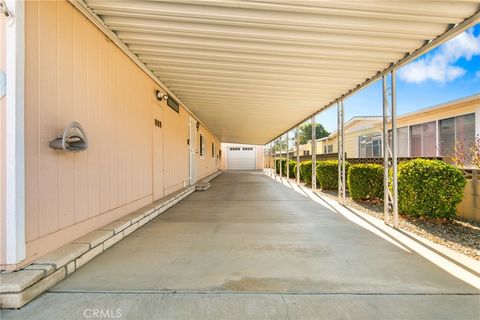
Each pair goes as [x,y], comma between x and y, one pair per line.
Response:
[207,164]
[112,119]
[106,117]
[66,180]
[158,152]
[175,141]
[80,114]
[48,116]
[31,122]
[92,94]
[259,157]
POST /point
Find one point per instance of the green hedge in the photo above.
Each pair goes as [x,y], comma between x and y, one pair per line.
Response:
[365,181]
[291,167]
[327,173]
[429,188]
[277,165]
[306,171]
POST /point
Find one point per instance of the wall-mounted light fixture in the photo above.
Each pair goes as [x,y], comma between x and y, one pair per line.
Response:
[160,96]
[197,125]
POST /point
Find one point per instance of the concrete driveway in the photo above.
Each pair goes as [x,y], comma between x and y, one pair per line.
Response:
[251,248]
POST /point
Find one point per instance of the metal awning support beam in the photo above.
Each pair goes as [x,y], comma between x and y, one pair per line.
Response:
[271,162]
[390,187]
[450,33]
[314,155]
[275,158]
[281,157]
[297,142]
[341,152]
[287,167]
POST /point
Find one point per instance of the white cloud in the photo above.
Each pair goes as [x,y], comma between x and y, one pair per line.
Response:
[440,66]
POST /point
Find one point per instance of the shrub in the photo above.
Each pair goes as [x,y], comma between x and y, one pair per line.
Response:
[327,173]
[291,167]
[284,167]
[277,165]
[306,171]
[365,181]
[429,188]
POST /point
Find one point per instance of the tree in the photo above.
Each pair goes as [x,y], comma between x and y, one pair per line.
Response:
[306,132]
[467,155]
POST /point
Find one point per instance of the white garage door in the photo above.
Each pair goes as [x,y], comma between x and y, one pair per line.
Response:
[241,158]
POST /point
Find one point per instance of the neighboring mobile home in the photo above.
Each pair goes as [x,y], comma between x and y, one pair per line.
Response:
[429,132]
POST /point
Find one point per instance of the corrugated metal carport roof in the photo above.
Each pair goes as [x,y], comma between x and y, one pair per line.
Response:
[252,69]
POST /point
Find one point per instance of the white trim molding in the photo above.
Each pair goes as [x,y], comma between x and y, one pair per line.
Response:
[15,142]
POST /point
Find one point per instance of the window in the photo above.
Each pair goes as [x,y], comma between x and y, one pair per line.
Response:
[306,152]
[423,140]
[247,148]
[202,145]
[456,130]
[446,139]
[370,146]
[328,148]
[402,141]
[213,150]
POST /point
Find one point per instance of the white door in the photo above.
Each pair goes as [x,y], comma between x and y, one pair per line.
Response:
[241,158]
[192,139]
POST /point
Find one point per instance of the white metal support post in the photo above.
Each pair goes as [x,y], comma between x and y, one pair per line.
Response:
[341,152]
[264,158]
[394,150]
[14,133]
[281,159]
[271,158]
[287,167]
[297,142]
[390,153]
[314,155]
[275,158]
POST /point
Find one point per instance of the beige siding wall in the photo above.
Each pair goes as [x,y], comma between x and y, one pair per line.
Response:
[351,140]
[2,145]
[75,73]
[439,114]
[207,164]
[175,141]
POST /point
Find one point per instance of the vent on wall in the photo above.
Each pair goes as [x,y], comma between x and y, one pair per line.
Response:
[173,104]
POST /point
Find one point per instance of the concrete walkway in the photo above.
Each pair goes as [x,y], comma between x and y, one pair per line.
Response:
[251,248]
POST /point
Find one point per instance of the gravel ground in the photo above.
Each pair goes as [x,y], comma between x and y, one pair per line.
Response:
[459,235]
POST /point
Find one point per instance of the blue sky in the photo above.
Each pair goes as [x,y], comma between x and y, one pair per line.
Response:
[449,72]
